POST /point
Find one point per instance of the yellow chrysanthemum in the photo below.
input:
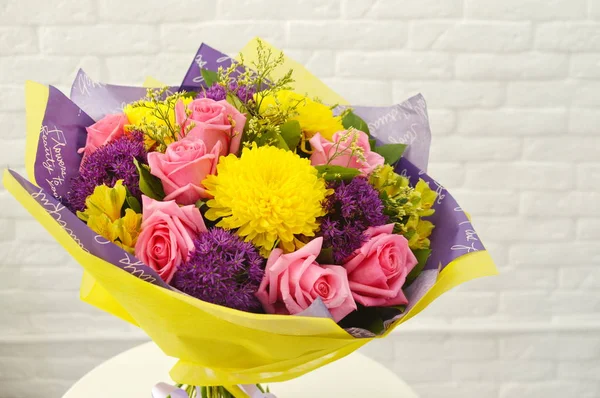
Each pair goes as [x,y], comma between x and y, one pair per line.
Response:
[313,116]
[268,195]
[103,216]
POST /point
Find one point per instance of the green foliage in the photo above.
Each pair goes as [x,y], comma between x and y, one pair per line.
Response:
[391,152]
[352,120]
[337,173]
[326,256]
[371,318]
[132,203]
[291,133]
[210,77]
[149,184]
[422,255]
[372,143]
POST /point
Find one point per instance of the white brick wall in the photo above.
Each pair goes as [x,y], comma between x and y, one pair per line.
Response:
[513,89]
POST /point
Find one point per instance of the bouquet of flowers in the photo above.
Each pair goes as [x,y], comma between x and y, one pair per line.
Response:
[253,223]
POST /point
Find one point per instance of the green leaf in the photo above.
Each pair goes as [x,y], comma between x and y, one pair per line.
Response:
[199,203]
[352,120]
[133,204]
[272,138]
[149,184]
[210,77]
[400,308]
[372,143]
[326,256]
[291,133]
[337,173]
[203,392]
[422,255]
[369,318]
[391,152]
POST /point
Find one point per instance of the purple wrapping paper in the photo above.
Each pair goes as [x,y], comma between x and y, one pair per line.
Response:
[206,58]
[62,134]
[99,99]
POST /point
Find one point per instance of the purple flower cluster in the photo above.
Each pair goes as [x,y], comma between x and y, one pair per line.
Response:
[217,92]
[107,165]
[223,270]
[244,93]
[353,207]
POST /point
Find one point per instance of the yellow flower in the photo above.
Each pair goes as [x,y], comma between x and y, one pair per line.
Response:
[428,196]
[105,200]
[418,232]
[313,116]
[103,226]
[127,230]
[103,216]
[268,195]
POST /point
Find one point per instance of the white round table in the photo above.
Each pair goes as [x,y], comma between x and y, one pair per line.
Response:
[133,373]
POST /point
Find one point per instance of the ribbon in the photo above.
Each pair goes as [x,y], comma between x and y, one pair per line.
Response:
[163,390]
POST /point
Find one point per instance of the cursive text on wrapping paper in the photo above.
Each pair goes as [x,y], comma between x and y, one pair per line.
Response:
[471,237]
[202,63]
[54,142]
[401,112]
[55,210]
[131,267]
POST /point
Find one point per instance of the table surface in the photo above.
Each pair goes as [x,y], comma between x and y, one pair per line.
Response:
[133,373]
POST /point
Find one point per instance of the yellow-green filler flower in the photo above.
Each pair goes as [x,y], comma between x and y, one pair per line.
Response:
[405,205]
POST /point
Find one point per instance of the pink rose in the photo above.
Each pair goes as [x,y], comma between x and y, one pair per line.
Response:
[293,281]
[109,128]
[183,167]
[339,152]
[379,268]
[214,121]
[167,235]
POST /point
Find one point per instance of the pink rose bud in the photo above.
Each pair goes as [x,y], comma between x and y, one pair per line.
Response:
[167,236]
[293,281]
[340,151]
[109,128]
[214,121]
[378,270]
[183,167]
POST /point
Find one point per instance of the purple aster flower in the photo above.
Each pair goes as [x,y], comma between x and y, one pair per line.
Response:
[244,93]
[223,270]
[353,207]
[216,92]
[108,164]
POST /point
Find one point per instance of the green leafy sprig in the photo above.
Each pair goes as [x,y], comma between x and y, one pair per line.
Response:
[164,129]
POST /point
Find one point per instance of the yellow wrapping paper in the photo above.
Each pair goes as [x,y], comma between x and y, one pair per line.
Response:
[217,345]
